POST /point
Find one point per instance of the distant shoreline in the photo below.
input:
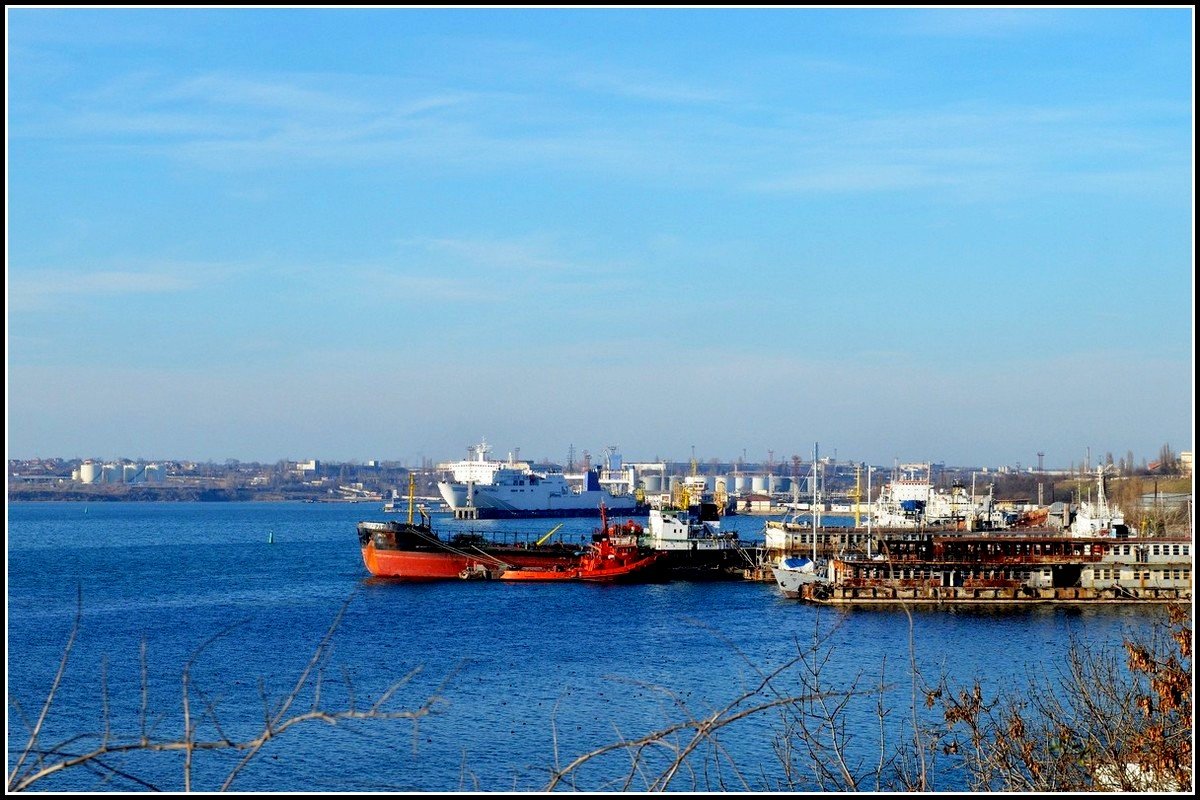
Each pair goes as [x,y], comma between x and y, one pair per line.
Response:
[169,494]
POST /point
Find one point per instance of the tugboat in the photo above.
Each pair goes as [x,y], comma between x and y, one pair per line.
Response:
[614,557]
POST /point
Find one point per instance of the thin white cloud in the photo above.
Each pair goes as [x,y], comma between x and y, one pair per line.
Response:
[978,22]
[282,95]
[497,254]
[862,178]
[982,151]
[645,86]
[38,289]
[228,123]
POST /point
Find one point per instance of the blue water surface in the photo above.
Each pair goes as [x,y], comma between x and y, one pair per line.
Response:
[522,677]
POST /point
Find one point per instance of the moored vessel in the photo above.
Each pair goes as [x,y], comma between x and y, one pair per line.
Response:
[412,550]
[615,556]
[1010,569]
[793,573]
[695,546]
[485,489]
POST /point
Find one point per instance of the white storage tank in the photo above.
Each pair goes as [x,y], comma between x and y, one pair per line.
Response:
[132,473]
[112,473]
[741,483]
[654,483]
[782,484]
[154,473]
[758,484]
[89,471]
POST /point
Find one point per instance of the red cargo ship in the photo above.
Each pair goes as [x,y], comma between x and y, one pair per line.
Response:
[414,551]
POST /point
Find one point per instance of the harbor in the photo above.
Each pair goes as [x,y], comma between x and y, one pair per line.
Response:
[912,543]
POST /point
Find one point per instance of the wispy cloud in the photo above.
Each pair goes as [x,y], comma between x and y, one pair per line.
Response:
[855,178]
[690,134]
[262,95]
[645,86]
[978,22]
[39,289]
[519,274]
[974,150]
[496,254]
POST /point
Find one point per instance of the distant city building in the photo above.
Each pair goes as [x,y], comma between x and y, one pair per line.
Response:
[1185,463]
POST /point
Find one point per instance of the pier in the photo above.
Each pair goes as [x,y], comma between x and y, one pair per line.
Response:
[824,594]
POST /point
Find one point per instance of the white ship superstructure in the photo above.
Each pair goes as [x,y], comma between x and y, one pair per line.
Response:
[514,489]
[910,500]
[1099,518]
[672,529]
[694,543]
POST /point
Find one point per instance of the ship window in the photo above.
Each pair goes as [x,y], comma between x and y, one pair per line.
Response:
[1145,576]
[1185,549]
[1175,550]
[1155,549]
[1126,549]
[1096,574]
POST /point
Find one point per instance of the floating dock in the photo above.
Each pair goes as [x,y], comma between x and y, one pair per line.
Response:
[824,594]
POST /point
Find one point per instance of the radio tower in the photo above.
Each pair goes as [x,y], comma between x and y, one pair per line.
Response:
[1041,455]
[571,458]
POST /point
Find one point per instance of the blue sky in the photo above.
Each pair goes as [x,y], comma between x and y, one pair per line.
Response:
[961,236]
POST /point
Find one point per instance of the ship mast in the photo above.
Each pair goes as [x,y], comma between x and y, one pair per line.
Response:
[816,450]
[412,483]
[857,494]
[870,510]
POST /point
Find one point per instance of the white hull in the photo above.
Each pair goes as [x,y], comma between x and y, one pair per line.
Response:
[792,574]
[678,531]
[514,499]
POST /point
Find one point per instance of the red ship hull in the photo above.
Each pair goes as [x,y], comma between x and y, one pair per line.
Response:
[641,571]
[414,553]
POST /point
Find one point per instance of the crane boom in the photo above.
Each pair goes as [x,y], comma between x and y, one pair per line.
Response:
[553,530]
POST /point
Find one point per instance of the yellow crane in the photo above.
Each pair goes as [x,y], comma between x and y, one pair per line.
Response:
[856,495]
[680,497]
[544,539]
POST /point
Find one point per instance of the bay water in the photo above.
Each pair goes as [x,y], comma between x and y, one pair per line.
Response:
[517,677]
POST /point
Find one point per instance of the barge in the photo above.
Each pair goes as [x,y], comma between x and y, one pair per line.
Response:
[1010,569]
